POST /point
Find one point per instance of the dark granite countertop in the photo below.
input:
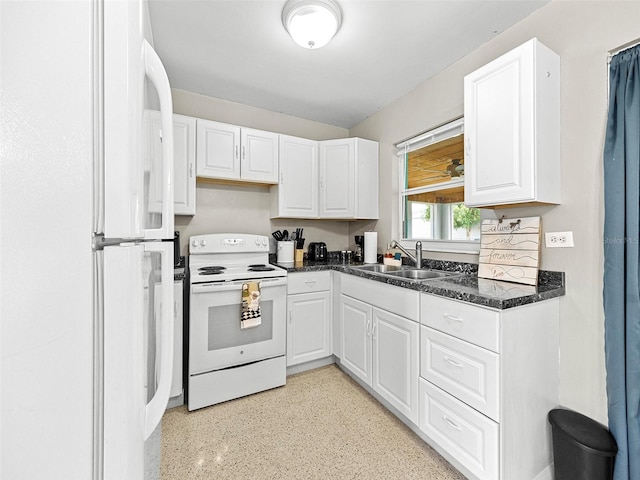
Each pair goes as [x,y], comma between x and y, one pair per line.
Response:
[179,270]
[464,286]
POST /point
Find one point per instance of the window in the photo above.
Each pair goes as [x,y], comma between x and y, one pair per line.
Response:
[432,187]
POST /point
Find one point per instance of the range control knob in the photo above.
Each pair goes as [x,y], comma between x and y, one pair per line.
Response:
[265,242]
[257,242]
[194,243]
[203,243]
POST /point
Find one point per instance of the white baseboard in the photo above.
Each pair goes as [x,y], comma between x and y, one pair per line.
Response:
[303,367]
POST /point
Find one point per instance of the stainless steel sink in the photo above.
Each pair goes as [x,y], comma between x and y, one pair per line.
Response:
[379,268]
[415,274]
[405,272]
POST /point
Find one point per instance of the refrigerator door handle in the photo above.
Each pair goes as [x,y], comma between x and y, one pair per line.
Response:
[158,76]
[158,404]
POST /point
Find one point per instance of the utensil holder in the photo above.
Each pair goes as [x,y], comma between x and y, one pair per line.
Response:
[299,255]
[285,252]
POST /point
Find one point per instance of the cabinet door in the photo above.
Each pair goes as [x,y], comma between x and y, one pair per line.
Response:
[366,179]
[498,131]
[309,328]
[184,165]
[218,150]
[259,156]
[355,323]
[184,156]
[337,178]
[296,195]
[396,344]
[176,379]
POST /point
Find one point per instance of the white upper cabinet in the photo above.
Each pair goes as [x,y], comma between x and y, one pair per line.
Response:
[184,165]
[296,195]
[184,159]
[218,150]
[258,156]
[229,152]
[348,179]
[512,129]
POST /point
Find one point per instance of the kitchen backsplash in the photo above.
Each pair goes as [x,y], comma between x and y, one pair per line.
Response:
[245,209]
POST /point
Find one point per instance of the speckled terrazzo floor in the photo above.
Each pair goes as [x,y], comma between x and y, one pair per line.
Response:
[321,425]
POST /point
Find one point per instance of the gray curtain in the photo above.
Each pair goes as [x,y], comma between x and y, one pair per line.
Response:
[621,257]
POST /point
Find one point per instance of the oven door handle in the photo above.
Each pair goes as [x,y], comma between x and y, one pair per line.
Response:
[236,285]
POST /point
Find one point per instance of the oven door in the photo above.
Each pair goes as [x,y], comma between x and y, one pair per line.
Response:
[216,340]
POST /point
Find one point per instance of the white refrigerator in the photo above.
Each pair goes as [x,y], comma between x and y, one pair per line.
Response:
[86,280]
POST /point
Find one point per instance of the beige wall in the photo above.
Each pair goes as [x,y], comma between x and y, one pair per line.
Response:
[245,209]
[582,33]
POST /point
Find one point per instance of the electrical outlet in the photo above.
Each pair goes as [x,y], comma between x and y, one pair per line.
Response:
[558,239]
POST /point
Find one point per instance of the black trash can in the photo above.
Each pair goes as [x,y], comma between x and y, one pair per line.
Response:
[583,449]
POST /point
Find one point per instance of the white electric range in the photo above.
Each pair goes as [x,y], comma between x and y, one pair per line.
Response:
[225,360]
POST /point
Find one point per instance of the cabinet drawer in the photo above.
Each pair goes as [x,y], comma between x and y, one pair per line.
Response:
[468,436]
[468,372]
[401,301]
[306,282]
[477,325]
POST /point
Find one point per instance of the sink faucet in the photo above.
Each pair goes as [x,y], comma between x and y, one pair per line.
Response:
[417,258]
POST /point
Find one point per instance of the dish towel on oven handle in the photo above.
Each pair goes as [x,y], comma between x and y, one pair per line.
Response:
[250,316]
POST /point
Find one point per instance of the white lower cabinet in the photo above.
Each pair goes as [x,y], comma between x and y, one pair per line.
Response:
[378,346]
[309,317]
[477,383]
[395,350]
[355,323]
[488,379]
[177,384]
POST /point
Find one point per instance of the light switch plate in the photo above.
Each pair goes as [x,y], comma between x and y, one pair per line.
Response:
[558,239]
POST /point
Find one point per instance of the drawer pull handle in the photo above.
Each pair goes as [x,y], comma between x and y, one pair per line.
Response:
[451,423]
[310,283]
[450,361]
[453,318]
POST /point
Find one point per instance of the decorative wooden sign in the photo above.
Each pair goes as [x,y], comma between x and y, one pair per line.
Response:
[510,250]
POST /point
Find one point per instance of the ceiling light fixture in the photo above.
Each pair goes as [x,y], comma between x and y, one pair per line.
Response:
[311,23]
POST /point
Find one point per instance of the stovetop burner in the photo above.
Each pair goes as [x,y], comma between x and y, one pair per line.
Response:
[260,268]
[211,270]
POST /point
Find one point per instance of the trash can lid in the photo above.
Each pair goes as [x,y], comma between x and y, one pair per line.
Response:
[584,431]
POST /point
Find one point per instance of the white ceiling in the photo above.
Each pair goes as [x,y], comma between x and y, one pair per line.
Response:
[238,50]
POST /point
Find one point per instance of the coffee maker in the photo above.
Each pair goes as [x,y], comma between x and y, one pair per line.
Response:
[359,254]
